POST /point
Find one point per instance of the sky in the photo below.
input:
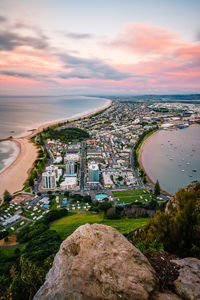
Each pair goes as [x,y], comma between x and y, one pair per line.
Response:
[87,47]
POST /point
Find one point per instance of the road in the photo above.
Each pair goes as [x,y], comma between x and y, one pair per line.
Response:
[82,171]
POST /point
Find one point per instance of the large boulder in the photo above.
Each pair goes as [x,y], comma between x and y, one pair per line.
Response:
[166,295]
[187,284]
[97,262]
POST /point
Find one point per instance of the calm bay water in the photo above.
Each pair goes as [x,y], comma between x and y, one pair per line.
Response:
[173,157]
[17,115]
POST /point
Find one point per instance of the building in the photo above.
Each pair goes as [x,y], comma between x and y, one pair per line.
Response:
[11,220]
[70,183]
[72,156]
[71,168]
[49,180]
[93,173]
[107,181]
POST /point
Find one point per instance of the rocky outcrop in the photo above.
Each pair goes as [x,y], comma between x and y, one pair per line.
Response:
[167,295]
[187,284]
[97,262]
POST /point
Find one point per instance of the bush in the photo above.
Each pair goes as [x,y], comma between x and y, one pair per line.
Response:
[104,206]
[178,229]
[113,215]
[7,197]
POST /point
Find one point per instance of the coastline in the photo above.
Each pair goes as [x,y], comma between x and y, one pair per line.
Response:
[12,158]
[14,176]
[142,166]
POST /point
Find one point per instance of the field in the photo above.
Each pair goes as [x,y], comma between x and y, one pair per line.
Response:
[66,226]
[133,196]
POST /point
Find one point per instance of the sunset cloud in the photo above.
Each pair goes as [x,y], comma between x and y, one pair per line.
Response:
[78,36]
[89,68]
[146,39]
[11,40]
[141,57]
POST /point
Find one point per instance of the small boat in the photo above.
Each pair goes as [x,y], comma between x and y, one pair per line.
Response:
[190,175]
[182,170]
[171,158]
[194,170]
[188,163]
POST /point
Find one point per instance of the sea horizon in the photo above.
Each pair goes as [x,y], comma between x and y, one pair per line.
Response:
[62,109]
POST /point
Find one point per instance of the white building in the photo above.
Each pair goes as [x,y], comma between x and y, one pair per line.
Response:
[71,156]
[11,220]
[108,183]
[70,183]
[93,172]
[70,168]
[49,180]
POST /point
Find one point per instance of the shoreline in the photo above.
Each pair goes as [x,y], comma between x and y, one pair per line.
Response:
[142,166]
[13,157]
[28,153]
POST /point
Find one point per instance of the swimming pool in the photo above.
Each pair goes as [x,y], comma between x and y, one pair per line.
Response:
[101,196]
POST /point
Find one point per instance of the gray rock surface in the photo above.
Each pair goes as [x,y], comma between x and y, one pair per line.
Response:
[187,284]
[97,262]
[166,295]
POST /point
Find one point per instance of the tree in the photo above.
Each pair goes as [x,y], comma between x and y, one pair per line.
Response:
[31,181]
[66,194]
[120,178]
[104,206]
[157,188]
[181,223]
[7,197]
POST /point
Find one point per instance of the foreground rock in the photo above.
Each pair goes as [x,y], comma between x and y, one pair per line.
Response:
[167,295]
[187,284]
[97,262]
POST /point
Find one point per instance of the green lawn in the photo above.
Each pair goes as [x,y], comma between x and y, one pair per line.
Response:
[131,196]
[66,226]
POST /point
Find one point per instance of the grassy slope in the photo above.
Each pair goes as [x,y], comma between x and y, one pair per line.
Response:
[131,196]
[66,226]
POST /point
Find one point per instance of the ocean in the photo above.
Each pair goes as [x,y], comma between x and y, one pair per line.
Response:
[18,115]
[173,157]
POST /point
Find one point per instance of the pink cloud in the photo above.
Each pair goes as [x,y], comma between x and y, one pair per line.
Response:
[143,38]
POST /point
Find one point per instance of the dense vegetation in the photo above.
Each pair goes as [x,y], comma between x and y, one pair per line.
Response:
[67,134]
[138,144]
[178,228]
[24,270]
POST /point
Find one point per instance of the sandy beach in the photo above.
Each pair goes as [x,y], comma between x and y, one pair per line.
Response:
[15,175]
[140,158]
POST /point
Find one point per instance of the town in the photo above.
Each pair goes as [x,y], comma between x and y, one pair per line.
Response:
[92,159]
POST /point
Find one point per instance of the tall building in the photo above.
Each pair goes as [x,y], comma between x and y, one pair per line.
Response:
[53,168]
[70,168]
[49,180]
[93,173]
